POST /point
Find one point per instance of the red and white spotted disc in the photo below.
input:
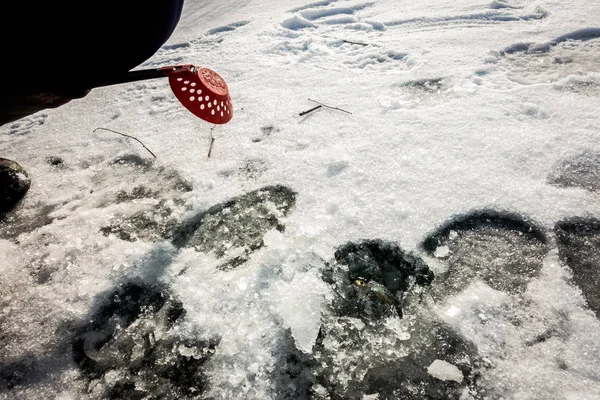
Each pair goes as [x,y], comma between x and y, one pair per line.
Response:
[203,92]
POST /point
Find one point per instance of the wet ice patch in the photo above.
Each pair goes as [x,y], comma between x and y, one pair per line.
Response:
[130,347]
[378,273]
[579,249]
[528,338]
[581,171]
[356,359]
[250,169]
[25,219]
[336,168]
[232,230]
[366,347]
[292,373]
[145,200]
[504,250]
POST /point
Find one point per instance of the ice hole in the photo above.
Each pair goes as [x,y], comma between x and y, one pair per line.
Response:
[202,106]
[183,89]
[212,112]
[192,98]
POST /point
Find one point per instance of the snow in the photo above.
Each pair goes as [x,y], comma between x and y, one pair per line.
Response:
[445,371]
[451,107]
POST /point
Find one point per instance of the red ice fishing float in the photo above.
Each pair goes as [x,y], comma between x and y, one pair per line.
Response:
[201,90]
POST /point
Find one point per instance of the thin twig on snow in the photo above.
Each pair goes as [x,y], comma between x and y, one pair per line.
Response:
[322,105]
[129,136]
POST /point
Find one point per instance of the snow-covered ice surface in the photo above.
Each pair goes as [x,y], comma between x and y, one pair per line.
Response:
[439,240]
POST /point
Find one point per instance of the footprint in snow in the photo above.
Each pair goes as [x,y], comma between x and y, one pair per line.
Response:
[418,92]
[227,28]
[334,46]
[569,61]
[322,14]
[500,12]
[26,125]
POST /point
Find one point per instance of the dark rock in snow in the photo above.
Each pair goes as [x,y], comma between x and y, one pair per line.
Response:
[502,249]
[14,183]
[579,249]
[234,229]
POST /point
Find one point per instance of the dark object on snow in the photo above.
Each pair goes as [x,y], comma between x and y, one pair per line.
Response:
[89,44]
[319,106]
[14,183]
[579,249]
[129,136]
